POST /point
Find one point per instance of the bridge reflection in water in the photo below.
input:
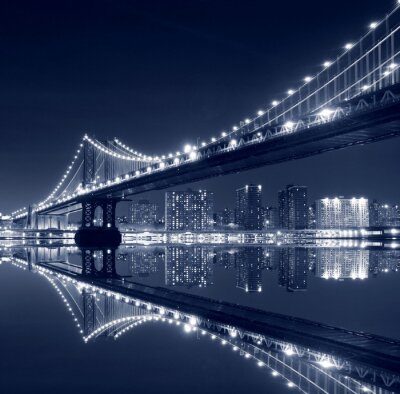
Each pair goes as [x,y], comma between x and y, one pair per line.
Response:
[305,355]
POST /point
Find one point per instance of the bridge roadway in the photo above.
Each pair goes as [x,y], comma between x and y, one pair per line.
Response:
[369,350]
[375,123]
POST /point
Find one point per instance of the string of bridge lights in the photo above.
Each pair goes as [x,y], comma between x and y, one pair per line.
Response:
[142,157]
[65,175]
[326,64]
[110,152]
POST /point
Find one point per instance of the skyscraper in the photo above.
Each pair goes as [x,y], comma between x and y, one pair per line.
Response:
[293,207]
[143,212]
[248,208]
[384,215]
[270,218]
[224,218]
[339,212]
[189,210]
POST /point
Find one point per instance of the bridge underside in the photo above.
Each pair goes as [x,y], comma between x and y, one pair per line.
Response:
[363,128]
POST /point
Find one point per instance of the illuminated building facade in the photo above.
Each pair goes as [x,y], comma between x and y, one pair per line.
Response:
[384,215]
[143,213]
[189,210]
[339,212]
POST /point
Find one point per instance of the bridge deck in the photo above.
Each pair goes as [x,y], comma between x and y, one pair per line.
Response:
[367,349]
[360,128]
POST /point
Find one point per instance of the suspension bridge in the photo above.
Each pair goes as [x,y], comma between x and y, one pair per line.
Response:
[354,99]
[304,355]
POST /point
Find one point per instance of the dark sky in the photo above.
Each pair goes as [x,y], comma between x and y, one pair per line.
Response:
[159,74]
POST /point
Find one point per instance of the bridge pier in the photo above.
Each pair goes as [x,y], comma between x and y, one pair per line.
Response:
[98,232]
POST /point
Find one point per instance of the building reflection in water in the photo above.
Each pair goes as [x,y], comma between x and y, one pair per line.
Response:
[189,266]
[101,307]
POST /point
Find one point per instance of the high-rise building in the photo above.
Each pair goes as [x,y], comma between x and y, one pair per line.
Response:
[143,213]
[298,207]
[384,215]
[311,217]
[293,207]
[189,210]
[270,218]
[339,212]
[248,208]
[283,208]
[224,218]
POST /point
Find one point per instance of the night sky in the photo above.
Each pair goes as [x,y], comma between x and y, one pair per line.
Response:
[159,74]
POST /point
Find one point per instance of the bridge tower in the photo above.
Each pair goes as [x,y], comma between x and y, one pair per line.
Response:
[90,234]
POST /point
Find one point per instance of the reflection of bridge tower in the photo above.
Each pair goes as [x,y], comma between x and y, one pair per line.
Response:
[98,262]
[89,311]
[249,262]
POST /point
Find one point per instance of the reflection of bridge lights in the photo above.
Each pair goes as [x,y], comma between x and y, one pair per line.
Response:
[274,373]
[235,348]
[247,355]
[187,328]
[193,321]
[223,342]
[260,364]
[290,384]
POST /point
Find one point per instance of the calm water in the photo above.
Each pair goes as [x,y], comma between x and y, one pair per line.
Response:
[48,327]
